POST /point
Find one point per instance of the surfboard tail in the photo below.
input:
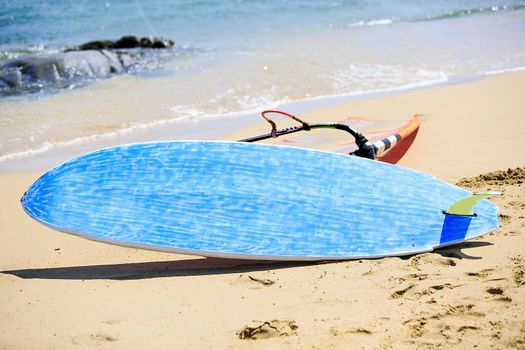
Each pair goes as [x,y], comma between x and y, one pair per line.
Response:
[461,222]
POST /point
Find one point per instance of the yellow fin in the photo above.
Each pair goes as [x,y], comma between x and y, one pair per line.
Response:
[465,205]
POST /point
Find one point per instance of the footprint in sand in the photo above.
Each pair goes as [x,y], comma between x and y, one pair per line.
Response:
[464,329]
[399,293]
[519,270]
[416,276]
[359,330]
[429,258]
[268,329]
[432,289]
[254,282]
[438,323]
[93,339]
[455,335]
[499,291]
[516,204]
[462,309]
[416,327]
[504,219]
[483,274]
[427,291]
[495,290]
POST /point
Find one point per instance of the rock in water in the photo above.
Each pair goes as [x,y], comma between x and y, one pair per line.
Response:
[128,42]
[95,59]
[97,45]
[52,68]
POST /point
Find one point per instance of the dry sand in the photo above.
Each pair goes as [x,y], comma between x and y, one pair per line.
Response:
[62,292]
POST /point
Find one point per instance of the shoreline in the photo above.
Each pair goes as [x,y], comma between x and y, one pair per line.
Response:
[202,128]
[219,127]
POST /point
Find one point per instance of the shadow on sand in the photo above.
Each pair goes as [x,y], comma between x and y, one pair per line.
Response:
[456,250]
[196,267]
[145,270]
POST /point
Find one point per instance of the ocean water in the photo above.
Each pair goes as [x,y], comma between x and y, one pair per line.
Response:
[235,57]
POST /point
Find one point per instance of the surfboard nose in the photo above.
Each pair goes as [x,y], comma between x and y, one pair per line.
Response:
[28,200]
[24,200]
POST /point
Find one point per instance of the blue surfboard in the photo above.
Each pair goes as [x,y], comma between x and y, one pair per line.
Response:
[253,201]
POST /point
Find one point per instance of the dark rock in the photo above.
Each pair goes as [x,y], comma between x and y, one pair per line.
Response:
[97,45]
[127,42]
[146,43]
[52,68]
[11,78]
[94,59]
[162,43]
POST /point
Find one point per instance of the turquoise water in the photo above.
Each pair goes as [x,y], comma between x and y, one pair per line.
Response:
[212,24]
[232,57]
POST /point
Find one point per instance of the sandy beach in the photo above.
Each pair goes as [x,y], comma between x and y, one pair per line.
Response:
[59,291]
